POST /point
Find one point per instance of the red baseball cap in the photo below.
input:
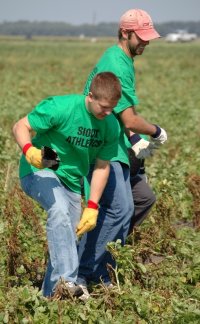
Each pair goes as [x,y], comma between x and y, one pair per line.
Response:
[140,22]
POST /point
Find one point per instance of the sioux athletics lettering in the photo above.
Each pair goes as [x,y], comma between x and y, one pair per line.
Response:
[84,141]
[88,132]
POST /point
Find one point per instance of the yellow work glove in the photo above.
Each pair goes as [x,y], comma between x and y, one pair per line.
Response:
[34,157]
[88,221]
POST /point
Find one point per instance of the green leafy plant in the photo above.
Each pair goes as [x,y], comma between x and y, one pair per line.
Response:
[157,278]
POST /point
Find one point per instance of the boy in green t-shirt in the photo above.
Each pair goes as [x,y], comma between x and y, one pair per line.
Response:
[72,132]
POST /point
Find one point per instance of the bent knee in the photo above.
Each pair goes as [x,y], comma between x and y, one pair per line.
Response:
[152,199]
[58,216]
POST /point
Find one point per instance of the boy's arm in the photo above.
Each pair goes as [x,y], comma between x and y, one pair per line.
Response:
[98,182]
[36,157]
[99,179]
[21,132]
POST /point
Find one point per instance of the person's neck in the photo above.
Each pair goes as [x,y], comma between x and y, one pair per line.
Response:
[87,104]
[123,45]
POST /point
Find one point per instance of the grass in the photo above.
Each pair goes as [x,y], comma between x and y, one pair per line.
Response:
[159,269]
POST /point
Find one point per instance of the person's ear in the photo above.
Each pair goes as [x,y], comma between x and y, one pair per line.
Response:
[124,33]
[90,97]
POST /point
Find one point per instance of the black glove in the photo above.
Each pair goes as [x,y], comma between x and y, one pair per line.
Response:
[50,158]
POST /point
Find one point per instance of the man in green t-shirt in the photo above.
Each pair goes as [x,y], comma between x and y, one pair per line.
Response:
[116,205]
[72,132]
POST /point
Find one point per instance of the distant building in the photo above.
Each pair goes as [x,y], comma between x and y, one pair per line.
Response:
[180,36]
[172,37]
[81,36]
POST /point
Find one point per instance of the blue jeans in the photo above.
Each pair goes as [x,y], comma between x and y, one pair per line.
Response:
[63,208]
[116,210]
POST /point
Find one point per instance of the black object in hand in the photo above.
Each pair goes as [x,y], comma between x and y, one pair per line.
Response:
[50,158]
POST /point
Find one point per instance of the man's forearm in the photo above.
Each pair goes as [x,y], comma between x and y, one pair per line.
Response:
[141,126]
[136,123]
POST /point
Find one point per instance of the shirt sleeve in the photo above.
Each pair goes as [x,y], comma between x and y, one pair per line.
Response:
[44,116]
[129,97]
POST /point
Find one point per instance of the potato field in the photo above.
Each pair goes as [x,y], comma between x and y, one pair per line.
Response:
[157,279]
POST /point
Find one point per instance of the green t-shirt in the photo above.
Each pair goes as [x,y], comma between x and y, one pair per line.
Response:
[115,60]
[64,124]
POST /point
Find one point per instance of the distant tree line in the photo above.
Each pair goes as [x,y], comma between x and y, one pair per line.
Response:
[46,28]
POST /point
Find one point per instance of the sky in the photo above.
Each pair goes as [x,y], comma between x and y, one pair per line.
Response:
[77,12]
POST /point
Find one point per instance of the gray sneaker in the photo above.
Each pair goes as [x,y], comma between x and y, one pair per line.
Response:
[83,285]
[73,289]
[66,289]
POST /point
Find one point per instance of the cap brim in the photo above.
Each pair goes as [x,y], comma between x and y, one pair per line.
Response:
[147,34]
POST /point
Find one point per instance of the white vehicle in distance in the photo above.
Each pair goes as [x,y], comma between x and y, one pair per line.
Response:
[180,36]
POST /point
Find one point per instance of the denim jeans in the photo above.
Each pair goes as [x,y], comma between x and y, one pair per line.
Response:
[63,208]
[116,210]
